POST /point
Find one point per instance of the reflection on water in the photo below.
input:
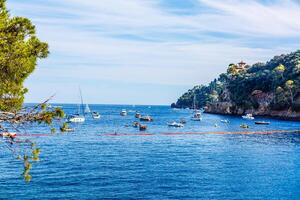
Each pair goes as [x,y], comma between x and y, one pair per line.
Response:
[88,164]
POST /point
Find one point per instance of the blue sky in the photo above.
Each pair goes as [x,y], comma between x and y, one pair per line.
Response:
[150,51]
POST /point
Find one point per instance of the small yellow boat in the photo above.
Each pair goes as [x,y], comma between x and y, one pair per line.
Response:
[244,126]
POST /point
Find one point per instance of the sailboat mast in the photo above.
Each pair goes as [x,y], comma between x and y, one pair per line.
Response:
[194,104]
[82,107]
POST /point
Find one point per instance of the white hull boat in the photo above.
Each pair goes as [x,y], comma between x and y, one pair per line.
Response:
[96,115]
[76,118]
[197,116]
[175,124]
[123,112]
[248,116]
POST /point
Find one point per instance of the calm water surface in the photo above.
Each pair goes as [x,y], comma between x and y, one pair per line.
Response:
[89,164]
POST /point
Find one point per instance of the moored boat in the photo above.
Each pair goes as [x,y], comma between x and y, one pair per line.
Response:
[175,124]
[123,112]
[76,118]
[142,127]
[244,126]
[225,121]
[136,124]
[182,121]
[248,116]
[8,134]
[146,118]
[262,123]
[96,115]
[138,115]
[87,109]
[197,116]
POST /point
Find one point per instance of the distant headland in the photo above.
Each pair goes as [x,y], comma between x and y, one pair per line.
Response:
[263,89]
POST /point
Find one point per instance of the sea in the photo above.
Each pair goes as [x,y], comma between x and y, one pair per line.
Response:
[108,158]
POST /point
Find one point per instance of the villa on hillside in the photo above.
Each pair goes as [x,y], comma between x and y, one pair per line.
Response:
[242,66]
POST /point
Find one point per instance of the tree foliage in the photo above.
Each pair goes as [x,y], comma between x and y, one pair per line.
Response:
[20,50]
[280,76]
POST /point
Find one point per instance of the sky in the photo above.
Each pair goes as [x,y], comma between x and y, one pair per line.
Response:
[150,51]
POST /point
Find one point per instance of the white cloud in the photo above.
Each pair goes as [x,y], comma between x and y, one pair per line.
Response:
[88,40]
[253,17]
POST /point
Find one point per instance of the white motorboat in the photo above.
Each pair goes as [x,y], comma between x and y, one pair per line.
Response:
[96,115]
[248,116]
[197,116]
[225,121]
[138,115]
[123,112]
[197,113]
[175,124]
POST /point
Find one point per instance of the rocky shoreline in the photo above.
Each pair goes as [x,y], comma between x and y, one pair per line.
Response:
[226,108]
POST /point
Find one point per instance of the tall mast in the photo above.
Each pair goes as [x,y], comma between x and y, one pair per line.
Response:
[82,108]
[194,104]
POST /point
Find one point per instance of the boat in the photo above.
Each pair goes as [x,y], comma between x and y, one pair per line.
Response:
[77,118]
[244,126]
[136,124]
[197,116]
[262,123]
[225,121]
[138,115]
[197,113]
[8,134]
[96,115]
[248,116]
[142,127]
[87,109]
[175,124]
[146,118]
[182,121]
[123,112]
[67,129]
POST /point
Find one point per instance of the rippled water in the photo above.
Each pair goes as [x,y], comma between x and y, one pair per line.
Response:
[90,164]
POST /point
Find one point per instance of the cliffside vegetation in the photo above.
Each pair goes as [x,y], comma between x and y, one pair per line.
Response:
[275,84]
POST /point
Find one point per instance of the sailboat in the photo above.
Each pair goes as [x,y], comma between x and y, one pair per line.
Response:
[94,114]
[87,109]
[77,118]
[197,113]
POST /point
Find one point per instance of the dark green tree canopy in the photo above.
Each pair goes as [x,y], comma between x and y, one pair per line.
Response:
[19,51]
[280,76]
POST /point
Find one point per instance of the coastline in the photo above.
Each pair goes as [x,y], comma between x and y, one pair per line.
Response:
[280,117]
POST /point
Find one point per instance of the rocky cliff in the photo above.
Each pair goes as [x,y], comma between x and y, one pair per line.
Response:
[266,89]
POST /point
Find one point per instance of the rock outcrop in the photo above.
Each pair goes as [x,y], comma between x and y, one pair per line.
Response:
[263,101]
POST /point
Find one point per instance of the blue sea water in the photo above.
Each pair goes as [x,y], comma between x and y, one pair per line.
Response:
[90,163]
